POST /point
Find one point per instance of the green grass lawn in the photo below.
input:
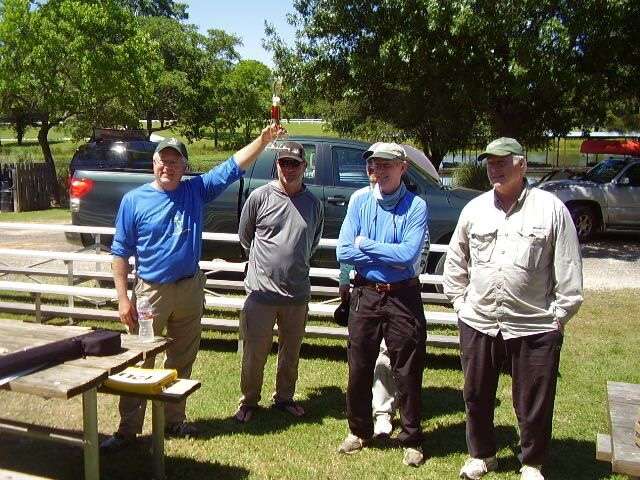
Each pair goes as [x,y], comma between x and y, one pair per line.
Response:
[52,215]
[602,343]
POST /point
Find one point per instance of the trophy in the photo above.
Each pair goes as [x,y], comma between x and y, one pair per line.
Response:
[276,114]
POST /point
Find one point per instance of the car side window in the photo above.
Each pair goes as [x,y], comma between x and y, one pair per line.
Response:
[349,169]
[633,174]
[310,173]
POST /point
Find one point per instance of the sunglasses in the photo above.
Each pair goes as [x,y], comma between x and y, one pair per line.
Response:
[289,162]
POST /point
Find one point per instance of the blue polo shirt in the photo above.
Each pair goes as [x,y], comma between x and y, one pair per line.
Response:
[394,239]
[163,230]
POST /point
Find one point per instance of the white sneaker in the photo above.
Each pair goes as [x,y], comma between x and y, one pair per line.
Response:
[527,472]
[413,457]
[474,468]
[382,427]
[352,444]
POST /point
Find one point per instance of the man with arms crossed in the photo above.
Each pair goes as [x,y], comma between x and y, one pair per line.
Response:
[280,227]
[384,389]
[383,236]
[160,223]
[514,275]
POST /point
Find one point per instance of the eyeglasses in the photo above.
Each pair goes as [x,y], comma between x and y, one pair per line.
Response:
[168,163]
[289,163]
[385,165]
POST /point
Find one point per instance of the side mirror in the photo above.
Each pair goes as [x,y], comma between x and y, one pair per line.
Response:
[624,181]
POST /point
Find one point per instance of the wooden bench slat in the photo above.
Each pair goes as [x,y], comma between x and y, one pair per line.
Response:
[173,393]
[317,331]
[603,447]
[12,475]
[623,400]
[326,309]
[61,381]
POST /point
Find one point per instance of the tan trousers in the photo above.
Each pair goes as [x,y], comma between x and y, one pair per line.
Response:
[177,311]
[256,332]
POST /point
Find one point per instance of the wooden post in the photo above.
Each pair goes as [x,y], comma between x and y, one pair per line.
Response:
[38,302]
[70,282]
[157,420]
[90,423]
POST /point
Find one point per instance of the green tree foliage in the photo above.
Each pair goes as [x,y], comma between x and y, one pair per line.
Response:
[158,8]
[249,94]
[434,69]
[190,89]
[74,58]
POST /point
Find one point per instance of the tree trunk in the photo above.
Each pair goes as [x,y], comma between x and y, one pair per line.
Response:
[149,123]
[21,127]
[43,140]
[215,132]
[435,155]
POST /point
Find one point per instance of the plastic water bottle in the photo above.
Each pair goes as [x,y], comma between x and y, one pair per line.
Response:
[145,319]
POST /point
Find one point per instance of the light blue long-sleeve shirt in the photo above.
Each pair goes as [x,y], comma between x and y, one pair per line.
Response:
[394,239]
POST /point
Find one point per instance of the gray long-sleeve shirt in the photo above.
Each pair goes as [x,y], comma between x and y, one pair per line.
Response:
[519,272]
[280,233]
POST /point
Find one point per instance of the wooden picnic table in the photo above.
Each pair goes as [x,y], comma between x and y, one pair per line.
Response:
[619,447]
[66,380]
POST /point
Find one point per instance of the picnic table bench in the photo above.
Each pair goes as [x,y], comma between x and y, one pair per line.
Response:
[619,447]
[82,376]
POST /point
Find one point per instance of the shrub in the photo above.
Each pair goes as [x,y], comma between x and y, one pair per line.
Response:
[471,175]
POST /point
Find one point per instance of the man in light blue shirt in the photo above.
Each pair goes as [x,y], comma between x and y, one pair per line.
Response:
[383,236]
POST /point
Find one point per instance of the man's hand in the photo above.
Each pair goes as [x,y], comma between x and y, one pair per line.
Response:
[344,292]
[559,326]
[358,240]
[247,155]
[128,314]
[271,132]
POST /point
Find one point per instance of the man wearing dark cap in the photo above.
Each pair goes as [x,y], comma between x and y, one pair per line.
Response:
[160,224]
[383,236]
[514,275]
[280,227]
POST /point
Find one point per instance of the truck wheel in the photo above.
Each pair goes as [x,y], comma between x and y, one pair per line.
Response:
[585,220]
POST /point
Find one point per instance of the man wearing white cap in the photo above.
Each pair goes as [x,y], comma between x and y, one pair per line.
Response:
[383,236]
[514,275]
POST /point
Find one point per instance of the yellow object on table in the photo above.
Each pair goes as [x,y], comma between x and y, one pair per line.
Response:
[141,380]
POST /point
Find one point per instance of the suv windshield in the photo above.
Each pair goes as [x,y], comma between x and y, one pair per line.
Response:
[606,171]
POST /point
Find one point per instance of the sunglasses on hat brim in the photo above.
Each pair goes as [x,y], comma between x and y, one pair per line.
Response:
[289,162]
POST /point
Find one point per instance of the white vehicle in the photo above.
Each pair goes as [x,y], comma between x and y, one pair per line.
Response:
[605,198]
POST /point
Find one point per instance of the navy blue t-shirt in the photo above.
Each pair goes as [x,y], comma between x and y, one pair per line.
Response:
[163,229]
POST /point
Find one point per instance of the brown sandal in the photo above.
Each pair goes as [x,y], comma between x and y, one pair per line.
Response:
[244,413]
[290,407]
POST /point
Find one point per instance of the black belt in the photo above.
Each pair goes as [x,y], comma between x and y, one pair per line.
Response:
[360,281]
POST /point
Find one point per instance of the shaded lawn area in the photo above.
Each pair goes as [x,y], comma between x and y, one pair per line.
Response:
[602,343]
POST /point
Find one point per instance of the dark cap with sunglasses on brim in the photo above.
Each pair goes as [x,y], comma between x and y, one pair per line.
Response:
[174,144]
[292,150]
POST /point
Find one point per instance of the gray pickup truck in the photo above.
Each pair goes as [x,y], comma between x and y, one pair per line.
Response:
[335,170]
[607,197]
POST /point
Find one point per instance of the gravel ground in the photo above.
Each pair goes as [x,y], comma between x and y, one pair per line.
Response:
[611,262]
